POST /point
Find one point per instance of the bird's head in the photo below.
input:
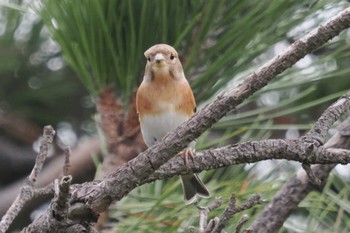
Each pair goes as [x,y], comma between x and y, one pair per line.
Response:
[163,59]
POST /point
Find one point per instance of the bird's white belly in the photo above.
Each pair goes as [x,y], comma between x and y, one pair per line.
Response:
[154,128]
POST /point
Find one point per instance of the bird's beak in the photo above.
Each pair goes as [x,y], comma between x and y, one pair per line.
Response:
[159,60]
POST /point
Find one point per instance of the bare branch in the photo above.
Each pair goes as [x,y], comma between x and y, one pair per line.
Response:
[81,165]
[204,212]
[97,196]
[251,152]
[327,119]
[27,191]
[60,204]
[227,215]
[45,144]
[310,173]
[231,210]
[295,190]
[137,170]
[306,150]
[243,220]
[217,224]
[66,166]
[56,219]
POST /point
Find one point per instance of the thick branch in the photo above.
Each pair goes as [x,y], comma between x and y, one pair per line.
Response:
[121,182]
[295,190]
[252,152]
[305,150]
[56,217]
[134,172]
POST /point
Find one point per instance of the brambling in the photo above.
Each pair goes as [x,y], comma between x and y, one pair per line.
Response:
[165,100]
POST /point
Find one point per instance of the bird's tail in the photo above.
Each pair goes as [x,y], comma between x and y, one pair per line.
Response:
[192,186]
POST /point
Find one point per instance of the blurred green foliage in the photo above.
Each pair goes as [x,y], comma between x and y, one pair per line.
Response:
[35,82]
[219,43]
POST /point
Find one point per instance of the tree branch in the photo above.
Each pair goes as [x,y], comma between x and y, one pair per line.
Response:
[241,222]
[287,199]
[137,170]
[203,215]
[232,209]
[28,191]
[217,224]
[305,150]
[251,152]
[96,196]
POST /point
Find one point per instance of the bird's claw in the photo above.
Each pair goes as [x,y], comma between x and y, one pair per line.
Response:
[186,155]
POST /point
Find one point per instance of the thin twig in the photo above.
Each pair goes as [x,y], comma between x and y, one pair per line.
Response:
[327,119]
[66,166]
[231,210]
[139,169]
[55,219]
[218,223]
[60,204]
[204,212]
[98,196]
[241,222]
[58,217]
[313,178]
[27,191]
[287,199]
[45,144]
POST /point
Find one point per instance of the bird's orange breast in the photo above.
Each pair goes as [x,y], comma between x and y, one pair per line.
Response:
[164,94]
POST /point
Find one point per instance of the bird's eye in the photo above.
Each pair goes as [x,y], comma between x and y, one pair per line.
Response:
[148,58]
[172,56]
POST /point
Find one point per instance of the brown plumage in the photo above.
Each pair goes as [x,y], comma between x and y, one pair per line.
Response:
[165,100]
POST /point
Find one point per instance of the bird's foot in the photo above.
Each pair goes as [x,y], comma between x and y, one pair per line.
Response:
[186,155]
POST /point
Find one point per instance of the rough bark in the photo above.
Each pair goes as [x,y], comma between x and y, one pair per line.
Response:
[287,199]
[96,196]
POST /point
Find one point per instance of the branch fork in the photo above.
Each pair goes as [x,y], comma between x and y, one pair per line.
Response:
[149,165]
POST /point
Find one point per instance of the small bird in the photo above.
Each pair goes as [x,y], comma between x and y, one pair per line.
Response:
[165,100]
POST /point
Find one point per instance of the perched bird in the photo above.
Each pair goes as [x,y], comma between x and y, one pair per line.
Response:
[165,100]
